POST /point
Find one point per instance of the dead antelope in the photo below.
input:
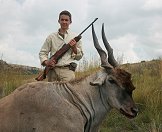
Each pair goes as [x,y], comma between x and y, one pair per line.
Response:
[72,106]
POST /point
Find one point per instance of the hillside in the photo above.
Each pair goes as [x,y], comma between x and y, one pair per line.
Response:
[4,66]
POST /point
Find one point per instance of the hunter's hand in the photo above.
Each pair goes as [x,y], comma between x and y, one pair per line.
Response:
[73,45]
[50,63]
[72,42]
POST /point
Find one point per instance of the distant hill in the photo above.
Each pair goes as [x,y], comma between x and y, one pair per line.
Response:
[18,68]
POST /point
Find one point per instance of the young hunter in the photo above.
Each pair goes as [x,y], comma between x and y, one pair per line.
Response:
[64,69]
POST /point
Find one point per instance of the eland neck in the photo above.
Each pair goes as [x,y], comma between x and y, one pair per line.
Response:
[96,103]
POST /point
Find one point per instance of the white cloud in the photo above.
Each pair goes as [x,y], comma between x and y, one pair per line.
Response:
[152,4]
[133,27]
[124,46]
[156,31]
[13,55]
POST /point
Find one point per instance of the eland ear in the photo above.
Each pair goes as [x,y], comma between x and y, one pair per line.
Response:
[99,80]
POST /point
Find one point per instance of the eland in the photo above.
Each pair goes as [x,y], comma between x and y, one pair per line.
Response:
[77,106]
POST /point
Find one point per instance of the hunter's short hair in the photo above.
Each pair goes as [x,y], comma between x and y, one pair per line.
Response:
[65,12]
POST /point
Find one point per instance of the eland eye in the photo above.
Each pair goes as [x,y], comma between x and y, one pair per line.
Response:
[112,81]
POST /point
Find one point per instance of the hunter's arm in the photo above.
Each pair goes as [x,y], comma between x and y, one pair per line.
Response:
[79,54]
[46,48]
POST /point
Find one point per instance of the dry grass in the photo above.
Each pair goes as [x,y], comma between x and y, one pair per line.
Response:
[147,78]
[10,80]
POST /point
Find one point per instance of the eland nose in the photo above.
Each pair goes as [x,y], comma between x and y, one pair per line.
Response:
[134,111]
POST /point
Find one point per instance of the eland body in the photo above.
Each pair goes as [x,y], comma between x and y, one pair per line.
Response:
[73,106]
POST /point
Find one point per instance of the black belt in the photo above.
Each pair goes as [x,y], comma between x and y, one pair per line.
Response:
[63,66]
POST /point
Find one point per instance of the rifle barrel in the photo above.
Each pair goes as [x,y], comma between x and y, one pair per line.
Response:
[87,27]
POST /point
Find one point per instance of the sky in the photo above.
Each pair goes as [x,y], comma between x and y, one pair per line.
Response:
[133,27]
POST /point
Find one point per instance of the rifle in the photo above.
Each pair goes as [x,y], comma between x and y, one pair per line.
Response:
[60,53]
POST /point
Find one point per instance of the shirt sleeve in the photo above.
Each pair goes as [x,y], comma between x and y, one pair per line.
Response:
[79,54]
[46,48]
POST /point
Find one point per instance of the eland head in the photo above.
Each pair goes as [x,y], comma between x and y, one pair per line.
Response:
[115,83]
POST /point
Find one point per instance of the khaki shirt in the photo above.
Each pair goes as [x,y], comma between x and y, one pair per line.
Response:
[54,42]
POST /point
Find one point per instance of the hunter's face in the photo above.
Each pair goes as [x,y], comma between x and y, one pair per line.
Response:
[64,22]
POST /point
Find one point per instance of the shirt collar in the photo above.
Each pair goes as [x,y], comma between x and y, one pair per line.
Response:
[67,31]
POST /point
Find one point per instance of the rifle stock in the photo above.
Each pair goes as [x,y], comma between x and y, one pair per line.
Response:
[43,74]
[59,54]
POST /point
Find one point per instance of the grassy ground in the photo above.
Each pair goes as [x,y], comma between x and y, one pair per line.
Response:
[10,80]
[147,77]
